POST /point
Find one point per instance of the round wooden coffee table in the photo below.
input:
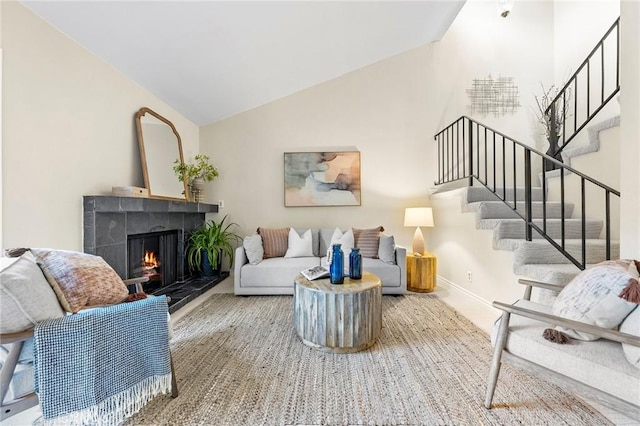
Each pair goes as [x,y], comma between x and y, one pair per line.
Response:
[339,318]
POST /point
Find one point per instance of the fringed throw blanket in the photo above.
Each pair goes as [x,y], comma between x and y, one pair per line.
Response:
[102,365]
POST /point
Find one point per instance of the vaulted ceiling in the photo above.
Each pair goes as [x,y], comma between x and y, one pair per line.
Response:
[210,60]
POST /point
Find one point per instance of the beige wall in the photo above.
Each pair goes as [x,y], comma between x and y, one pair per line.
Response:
[388,111]
[596,16]
[630,129]
[380,111]
[68,131]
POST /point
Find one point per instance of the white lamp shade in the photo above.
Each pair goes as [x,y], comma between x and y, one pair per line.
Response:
[418,216]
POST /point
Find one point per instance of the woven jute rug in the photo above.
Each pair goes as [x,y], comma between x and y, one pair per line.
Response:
[238,361]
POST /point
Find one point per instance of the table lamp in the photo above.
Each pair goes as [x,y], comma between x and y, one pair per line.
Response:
[418,216]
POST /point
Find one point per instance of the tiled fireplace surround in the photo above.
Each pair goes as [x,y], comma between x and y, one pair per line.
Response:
[108,220]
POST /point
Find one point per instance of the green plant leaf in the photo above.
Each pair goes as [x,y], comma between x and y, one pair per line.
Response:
[216,239]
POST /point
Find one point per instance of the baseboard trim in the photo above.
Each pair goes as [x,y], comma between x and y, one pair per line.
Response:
[476,309]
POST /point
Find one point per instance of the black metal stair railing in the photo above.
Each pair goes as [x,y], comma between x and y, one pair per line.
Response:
[586,92]
[467,149]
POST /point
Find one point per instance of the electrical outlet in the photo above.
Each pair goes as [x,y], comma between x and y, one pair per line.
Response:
[469,276]
[221,204]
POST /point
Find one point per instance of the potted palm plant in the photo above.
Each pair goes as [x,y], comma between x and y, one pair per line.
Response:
[208,244]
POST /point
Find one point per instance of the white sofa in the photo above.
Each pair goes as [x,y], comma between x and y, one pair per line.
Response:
[275,276]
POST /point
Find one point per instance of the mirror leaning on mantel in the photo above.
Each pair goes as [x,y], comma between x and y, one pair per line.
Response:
[160,146]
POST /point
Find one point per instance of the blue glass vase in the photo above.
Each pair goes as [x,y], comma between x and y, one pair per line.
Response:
[355,264]
[336,270]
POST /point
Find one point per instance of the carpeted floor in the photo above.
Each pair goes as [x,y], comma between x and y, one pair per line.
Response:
[239,362]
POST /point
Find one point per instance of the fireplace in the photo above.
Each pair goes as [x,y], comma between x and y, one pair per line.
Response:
[121,229]
[154,255]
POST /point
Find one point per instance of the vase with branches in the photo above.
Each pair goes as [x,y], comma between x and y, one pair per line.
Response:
[552,114]
[196,174]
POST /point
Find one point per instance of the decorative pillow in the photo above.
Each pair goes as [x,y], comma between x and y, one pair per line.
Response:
[631,325]
[346,239]
[387,249]
[367,240]
[299,246]
[315,237]
[253,248]
[25,295]
[274,241]
[592,297]
[80,280]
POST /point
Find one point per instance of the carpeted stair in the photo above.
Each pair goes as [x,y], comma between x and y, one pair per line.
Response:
[536,259]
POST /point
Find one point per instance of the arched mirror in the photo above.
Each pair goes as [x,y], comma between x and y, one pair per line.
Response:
[160,146]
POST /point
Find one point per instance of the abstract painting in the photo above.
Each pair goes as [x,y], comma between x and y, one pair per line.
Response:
[321,179]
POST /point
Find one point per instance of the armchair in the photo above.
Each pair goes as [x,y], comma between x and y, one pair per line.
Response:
[103,359]
[597,369]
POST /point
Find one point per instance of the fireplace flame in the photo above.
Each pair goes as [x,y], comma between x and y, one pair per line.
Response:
[150,261]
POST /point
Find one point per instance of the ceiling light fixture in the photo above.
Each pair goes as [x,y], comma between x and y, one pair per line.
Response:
[504,7]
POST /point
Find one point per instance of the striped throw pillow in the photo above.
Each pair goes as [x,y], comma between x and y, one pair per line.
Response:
[367,240]
[274,241]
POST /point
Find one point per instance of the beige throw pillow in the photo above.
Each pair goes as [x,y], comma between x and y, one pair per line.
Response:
[80,280]
[25,295]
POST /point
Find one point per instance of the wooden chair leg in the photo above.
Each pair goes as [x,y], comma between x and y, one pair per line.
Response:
[497,356]
[10,408]
[174,382]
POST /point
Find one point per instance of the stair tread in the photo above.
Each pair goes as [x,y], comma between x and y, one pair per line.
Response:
[493,223]
[573,241]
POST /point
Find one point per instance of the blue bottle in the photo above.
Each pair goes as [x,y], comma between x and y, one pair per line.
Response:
[336,270]
[355,264]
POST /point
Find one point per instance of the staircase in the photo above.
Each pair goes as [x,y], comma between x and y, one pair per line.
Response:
[551,238]
[537,259]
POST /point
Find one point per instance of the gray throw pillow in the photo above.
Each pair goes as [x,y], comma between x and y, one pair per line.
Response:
[253,248]
[26,297]
[387,249]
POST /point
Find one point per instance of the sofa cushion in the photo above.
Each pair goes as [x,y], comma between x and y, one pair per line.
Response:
[367,240]
[26,297]
[299,245]
[592,297]
[387,249]
[276,272]
[600,364]
[389,274]
[631,325]
[253,248]
[274,241]
[80,280]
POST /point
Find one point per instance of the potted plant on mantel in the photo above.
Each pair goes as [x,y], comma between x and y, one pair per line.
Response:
[208,244]
[196,174]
